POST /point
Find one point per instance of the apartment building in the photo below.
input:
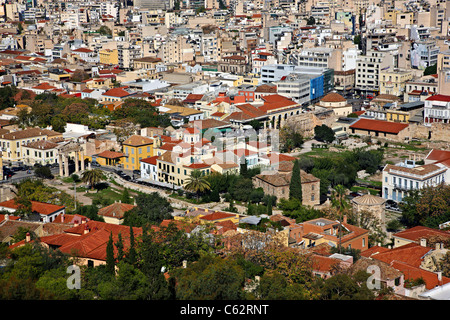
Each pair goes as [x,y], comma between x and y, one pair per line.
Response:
[400,179]
[12,143]
[109,56]
[436,109]
[393,81]
[368,70]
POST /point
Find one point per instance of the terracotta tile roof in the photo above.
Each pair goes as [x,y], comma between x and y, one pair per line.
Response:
[217,216]
[439,97]
[379,126]
[414,273]
[115,210]
[420,232]
[44,86]
[197,166]
[117,92]
[137,140]
[82,50]
[42,145]
[110,154]
[9,228]
[28,133]
[10,217]
[323,264]
[333,97]
[276,101]
[419,170]
[150,160]
[412,254]
[39,207]
[438,155]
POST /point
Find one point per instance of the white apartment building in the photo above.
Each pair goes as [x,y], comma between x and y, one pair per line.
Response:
[400,179]
[436,109]
[368,70]
[296,87]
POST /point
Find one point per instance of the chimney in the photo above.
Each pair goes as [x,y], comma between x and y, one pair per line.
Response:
[439,275]
[28,237]
[62,218]
[345,219]
[86,229]
[6,217]
[83,220]
[423,242]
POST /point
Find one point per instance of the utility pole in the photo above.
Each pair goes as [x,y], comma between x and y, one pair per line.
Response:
[75,193]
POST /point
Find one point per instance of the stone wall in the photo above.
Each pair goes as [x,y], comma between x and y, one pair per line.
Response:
[436,132]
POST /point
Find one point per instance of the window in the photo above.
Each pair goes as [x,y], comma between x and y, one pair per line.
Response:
[140,150]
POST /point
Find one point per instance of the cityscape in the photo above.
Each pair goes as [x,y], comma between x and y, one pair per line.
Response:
[222,150]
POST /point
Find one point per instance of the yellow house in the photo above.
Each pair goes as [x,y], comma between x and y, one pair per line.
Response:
[12,142]
[136,148]
[109,158]
[393,81]
[397,116]
[109,56]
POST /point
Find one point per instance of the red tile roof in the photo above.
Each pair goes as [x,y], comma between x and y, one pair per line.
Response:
[439,97]
[414,273]
[420,232]
[116,92]
[115,210]
[39,207]
[379,126]
[110,154]
[150,160]
[217,216]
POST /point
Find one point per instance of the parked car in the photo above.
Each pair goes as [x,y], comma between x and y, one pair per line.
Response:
[137,172]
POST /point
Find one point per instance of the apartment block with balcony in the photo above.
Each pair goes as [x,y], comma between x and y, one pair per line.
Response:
[436,109]
[402,178]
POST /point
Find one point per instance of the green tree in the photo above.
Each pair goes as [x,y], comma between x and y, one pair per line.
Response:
[104,30]
[110,260]
[131,255]
[275,286]
[125,198]
[295,185]
[197,183]
[324,133]
[430,70]
[151,265]
[243,167]
[119,246]
[150,209]
[43,172]
[345,287]
[211,278]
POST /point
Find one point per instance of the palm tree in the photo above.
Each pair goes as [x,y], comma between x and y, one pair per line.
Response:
[92,177]
[197,183]
[341,205]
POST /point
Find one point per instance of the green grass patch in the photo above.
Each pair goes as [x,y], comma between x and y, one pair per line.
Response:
[364,190]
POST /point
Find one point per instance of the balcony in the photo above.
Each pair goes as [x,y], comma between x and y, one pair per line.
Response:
[402,187]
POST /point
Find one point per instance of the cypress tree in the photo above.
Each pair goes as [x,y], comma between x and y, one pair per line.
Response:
[131,257]
[243,167]
[119,246]
[269,207]
[110,261]
[295,186]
